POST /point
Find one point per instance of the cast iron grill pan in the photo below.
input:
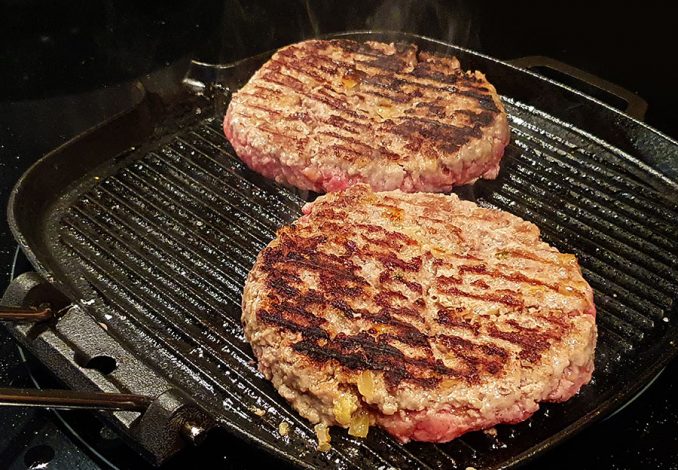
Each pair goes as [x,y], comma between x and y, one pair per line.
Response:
[157,246]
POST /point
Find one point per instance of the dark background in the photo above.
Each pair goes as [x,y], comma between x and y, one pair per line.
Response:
[67,65]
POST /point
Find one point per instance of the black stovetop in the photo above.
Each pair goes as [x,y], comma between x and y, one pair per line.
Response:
[71,66]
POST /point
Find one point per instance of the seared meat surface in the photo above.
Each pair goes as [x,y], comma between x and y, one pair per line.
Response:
[324,114]
[420,313]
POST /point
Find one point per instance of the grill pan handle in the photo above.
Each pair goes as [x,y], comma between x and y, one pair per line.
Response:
[73,400]
[167,417]
[635,105]
[26,314]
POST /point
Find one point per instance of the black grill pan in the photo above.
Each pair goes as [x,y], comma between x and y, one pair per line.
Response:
[150,223]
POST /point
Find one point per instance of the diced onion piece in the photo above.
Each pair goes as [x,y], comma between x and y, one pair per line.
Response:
[395,214]
[366,384]
[534,290]
[381,328]
[284,428]
[344,408]
[386,112]
[502,254]
[258,411]
[322,432]
[566,258]
[492,432]
[349,81]
[385,109]
[566,289]
[360,424]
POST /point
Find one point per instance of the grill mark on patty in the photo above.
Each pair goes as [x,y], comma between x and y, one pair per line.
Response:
[385,297]
[390,260]
[296,313]
[423,70]
[414,286]
[364,352]
[261,108]
[397,98]
[396,82]
[387,63]
[342,123]
[392,240]
[452,317]
[277,319]
[521,254]
[353,141]
[432,108]
[485,101]
[400,330]
[480,283]
[382,242]
[298,116]
[506,298]
[404,311]
[436,130]
[550,333]
[287,81]
[349,139]
[295,140]
[439,262]
[385,277]
[477,356]
[448,280]
[519,278]
[332,267]
[356,47]
[280,285]
[301,66]
[532,343]
[343,150]
[391,235]
[484,118]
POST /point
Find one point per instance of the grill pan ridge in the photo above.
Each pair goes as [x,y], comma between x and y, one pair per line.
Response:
[158,242]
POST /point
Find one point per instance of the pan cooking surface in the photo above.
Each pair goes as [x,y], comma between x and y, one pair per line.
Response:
[159,250]
[157,240]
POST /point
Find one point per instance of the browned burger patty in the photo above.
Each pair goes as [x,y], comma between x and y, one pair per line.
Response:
[322,115]
[424,314]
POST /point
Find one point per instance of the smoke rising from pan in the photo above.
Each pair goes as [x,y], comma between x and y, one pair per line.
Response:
[448,21]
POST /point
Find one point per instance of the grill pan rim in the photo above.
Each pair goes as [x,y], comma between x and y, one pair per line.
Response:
[617,399]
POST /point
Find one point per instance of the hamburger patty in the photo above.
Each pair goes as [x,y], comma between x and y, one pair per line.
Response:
[323,115]
[421,313]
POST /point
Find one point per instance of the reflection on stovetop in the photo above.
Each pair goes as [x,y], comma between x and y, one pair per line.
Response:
[70,68]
